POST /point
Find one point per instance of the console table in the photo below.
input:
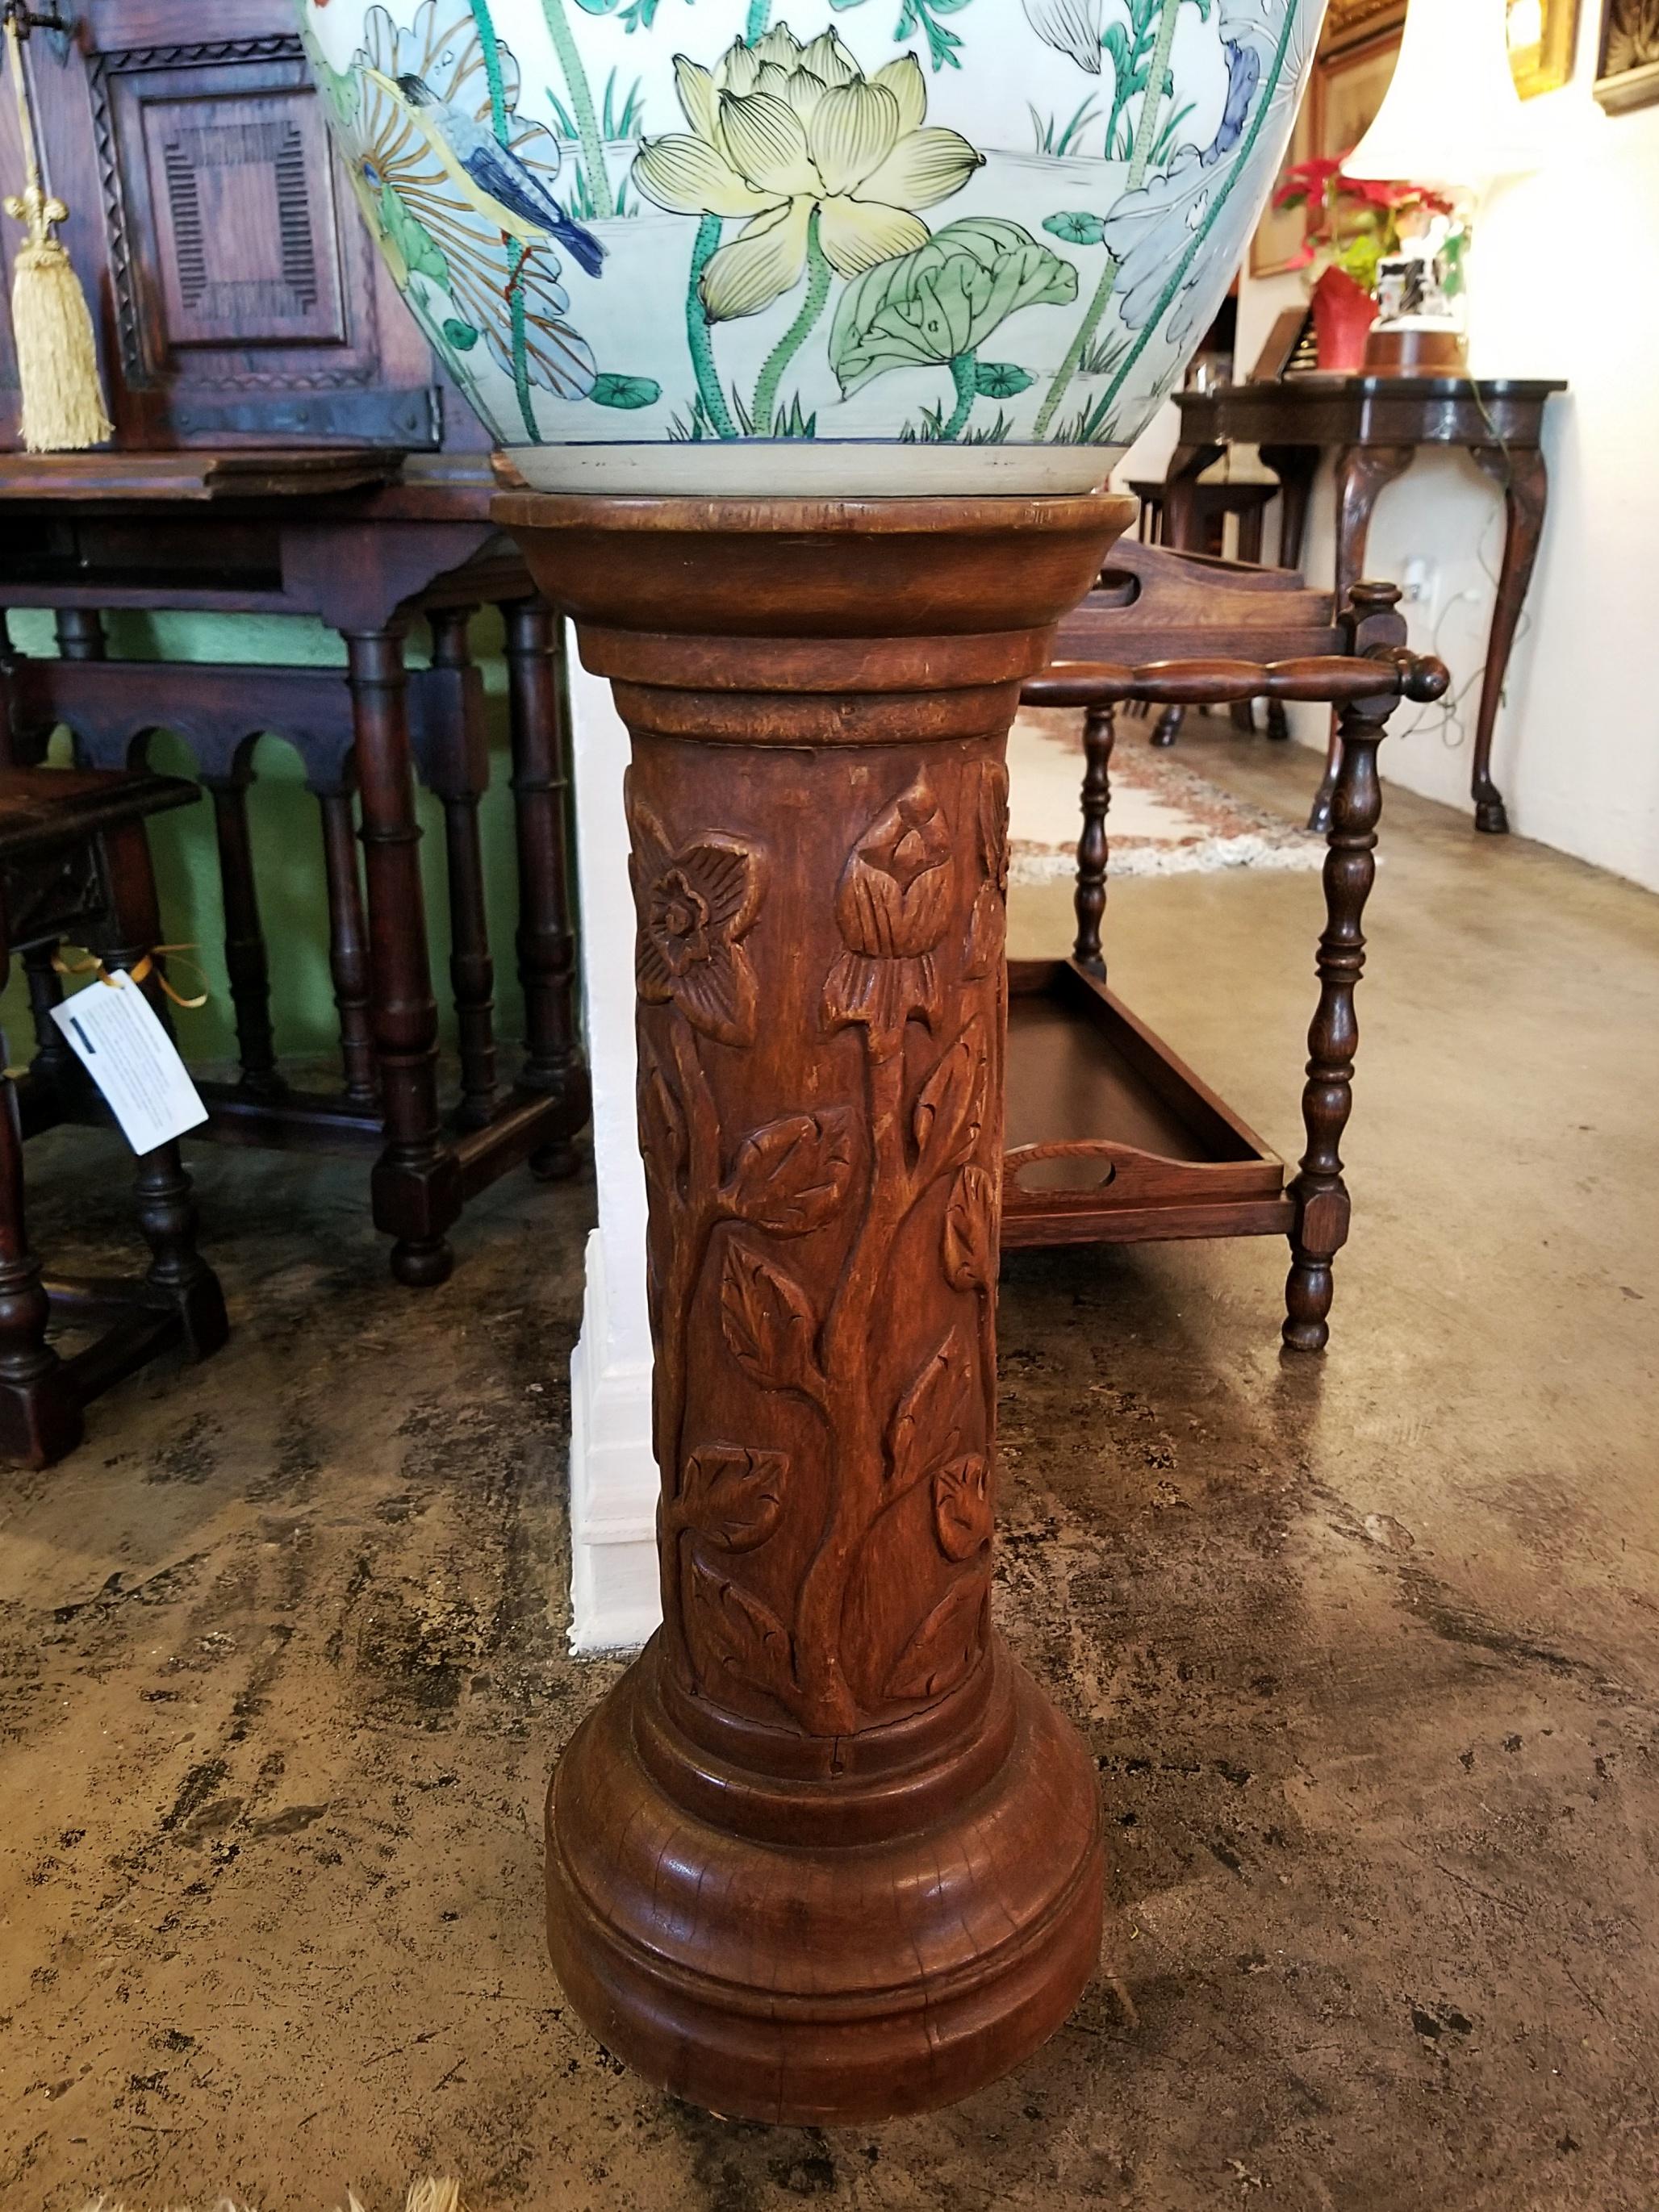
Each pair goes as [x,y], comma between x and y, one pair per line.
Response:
[1377,425]
[368,545]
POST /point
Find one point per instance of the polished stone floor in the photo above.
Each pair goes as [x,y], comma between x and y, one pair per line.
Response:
[1367,1650]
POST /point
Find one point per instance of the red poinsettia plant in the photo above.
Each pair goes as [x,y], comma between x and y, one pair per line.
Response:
[1352,223]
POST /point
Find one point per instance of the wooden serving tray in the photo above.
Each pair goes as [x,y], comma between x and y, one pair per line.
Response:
[1111,1139]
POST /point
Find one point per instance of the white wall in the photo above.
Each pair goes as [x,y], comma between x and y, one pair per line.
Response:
[1564,282]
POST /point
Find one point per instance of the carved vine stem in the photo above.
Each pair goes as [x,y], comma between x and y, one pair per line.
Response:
[850,1406]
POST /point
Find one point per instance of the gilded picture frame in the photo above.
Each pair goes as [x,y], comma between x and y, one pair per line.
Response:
[1627,57]
[1543,34]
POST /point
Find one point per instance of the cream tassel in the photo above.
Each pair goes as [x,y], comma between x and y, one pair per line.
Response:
[64,409]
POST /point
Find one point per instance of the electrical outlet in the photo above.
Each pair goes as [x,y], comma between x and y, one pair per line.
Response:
[1419,585]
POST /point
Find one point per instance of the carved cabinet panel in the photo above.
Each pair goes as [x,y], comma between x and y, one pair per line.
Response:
[237,296]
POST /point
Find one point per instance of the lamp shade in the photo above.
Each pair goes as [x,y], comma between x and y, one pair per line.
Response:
[1452,116]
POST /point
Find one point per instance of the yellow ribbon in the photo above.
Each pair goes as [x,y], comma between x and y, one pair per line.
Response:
[139,973]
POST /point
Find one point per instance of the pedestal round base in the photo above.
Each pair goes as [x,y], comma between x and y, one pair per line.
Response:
[830,1983]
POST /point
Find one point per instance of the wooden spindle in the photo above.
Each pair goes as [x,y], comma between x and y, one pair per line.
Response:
[246,963]
[1093,851]
[1321,1196]
[546,941]
[417,1183]
[348,946]
[472,971]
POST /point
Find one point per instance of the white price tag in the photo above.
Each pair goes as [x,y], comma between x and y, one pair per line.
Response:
[114,1034]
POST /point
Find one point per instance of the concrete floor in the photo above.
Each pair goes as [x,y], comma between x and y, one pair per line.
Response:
[1367,1648]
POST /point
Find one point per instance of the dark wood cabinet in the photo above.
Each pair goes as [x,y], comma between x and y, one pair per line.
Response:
[238,298]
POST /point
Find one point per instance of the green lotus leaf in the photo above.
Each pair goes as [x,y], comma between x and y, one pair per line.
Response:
[1001,380]
[611,391]
[944,299]
[1076,229]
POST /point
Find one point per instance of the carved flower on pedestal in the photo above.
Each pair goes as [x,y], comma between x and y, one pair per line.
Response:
[893,907]
[695,905]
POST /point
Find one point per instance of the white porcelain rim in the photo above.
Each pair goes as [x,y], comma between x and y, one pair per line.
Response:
[752,469]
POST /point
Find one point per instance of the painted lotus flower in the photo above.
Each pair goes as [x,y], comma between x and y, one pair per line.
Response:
[893,907]
[429,232]
[695,905]
[814,158]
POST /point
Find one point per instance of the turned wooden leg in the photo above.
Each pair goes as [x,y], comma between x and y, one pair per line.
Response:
[416,1182]
[1295,467]
[546,944]
[54,1065]
[1093,850]
[1167,728]
[348,947]
[1318,1191]
[1362,473]
[245,961]
[164,1206]
[1182,528]
[1524,476]
[472,971]
[825,1854]
[40,1417]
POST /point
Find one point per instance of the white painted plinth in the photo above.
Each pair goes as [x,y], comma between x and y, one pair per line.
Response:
[615,1603]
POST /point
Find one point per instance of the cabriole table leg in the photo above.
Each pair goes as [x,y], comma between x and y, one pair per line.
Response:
[826,1854]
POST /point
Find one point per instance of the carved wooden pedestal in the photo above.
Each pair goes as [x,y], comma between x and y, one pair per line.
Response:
[826,1854]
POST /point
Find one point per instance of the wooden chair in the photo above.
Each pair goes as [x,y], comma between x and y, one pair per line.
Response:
[74,867]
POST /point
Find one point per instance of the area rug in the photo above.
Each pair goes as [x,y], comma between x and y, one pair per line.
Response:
[1165,819]
[424,2197]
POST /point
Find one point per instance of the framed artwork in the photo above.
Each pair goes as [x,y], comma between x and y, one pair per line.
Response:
[1348,89]
[1627,60]
[1356,59]
[1542,34]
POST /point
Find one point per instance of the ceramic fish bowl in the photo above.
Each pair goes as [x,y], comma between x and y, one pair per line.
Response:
[730,246]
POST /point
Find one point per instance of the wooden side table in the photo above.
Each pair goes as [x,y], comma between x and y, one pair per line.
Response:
[352,539]
[1111,1138]
[75,863]
[1379,424]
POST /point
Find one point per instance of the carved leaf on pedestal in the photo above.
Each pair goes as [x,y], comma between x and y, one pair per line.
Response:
[791,1176]
[962,1507]
[733,1495]
[928,1428]
[732,1633]
[946,1645]
[950,1114]
[663,1136]
[970,1232]
[768,1322]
